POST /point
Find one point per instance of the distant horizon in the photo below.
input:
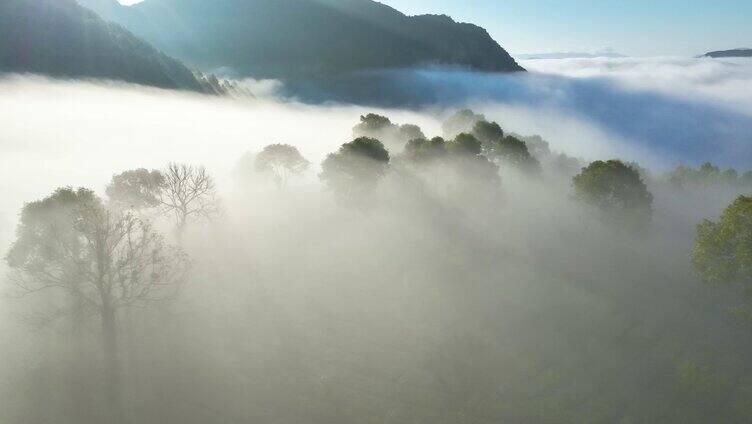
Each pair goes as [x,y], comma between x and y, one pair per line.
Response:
[629,29]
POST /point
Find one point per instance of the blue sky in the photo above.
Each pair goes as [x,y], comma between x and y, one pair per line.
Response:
[631,27]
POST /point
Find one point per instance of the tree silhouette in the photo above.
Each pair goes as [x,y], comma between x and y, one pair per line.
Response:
[487,132]
[461,122]
[135,189]
[513,151]
[617,191]
[381,128]
[423,151]
[355,169]
[281,161]
[188,193]
[102,260]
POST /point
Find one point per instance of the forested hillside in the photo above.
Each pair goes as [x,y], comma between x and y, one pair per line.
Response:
[61,38]
[293,38]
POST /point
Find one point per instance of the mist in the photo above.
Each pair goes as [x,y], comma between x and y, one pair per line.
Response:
[680,110]
[438,300]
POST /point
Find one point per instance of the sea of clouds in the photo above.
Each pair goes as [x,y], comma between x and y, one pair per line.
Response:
[660,111]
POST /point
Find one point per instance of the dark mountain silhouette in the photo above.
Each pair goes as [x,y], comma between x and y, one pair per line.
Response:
[304,38]
[62,39]
[730,53]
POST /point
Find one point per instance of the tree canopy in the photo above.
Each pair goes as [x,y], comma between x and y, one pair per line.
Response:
[513,151]
[616,190]
[356,168]
[422,150]
[464,144]
[487,132]
[390,134]
[722,250]
[461,121]
[136,189]
[281,161]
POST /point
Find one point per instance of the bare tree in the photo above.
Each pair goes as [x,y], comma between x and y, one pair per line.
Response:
[188,193]
[100,259]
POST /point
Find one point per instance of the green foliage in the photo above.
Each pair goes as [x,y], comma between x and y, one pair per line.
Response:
[372,122]
[617,191]
[513,151]
[487,132]
[355,169]
[410,132]
[722,251]
[464,144]
[305,38]
[382,129]
[464,154]
[421,150]
[60,38]
[708,175]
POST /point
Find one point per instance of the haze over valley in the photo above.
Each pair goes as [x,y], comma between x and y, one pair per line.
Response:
[320,211]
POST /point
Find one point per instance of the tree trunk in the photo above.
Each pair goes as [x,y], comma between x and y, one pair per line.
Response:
[79,389]
[111,363]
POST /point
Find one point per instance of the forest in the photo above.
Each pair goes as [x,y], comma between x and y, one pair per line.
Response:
[474,275]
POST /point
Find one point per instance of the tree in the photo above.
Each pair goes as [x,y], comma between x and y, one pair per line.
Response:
[409,132]
[470,165]
[512,150]
[462,121]
[135,189]
[722,250]
[188,193]
[355,169]
[381,128]
[370,124]
[536,145]
[707,175]
[487,132]
[421,150]
[464,144]
[101,259]
[617,191]
[282,161]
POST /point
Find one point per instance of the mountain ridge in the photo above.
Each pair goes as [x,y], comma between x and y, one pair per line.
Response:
[300,38]
[740,52]
[60,38]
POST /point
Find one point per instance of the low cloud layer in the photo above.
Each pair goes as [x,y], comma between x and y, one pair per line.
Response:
[722,82]
[679,110]
[79,133]
[443,300]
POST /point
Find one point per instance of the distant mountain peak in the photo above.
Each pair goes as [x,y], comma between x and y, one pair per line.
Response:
[740,52]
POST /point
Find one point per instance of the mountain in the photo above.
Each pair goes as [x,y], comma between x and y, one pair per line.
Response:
[742,52]
[62,39]
[304,38]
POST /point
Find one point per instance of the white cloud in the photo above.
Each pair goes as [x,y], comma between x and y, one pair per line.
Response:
[724,82]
